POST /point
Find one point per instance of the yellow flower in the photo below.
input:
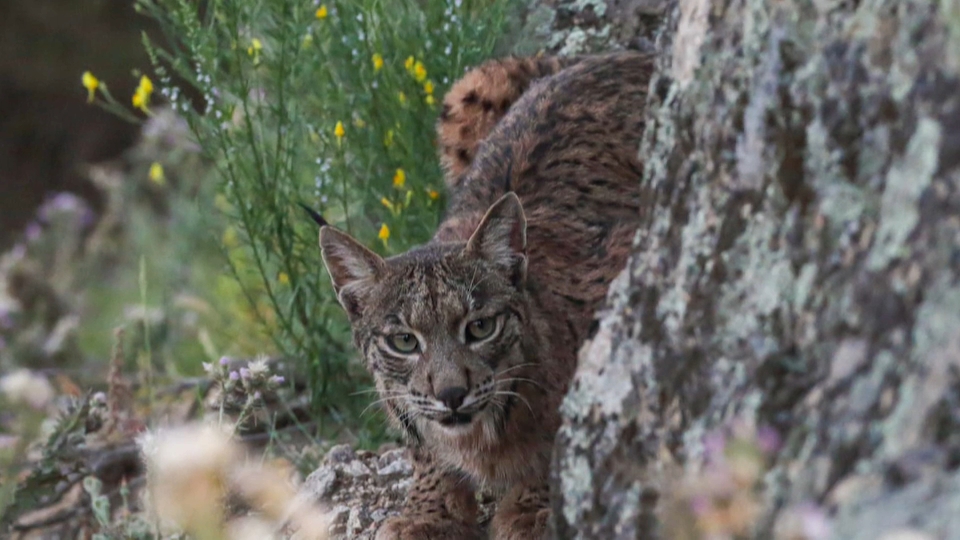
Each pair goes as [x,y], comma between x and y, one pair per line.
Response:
[399,178]
[384,234]
[254,50]
[386,202]
[139,101]
[221,202]
[402,97]
[429,100]
[338,130]
[283,278]
[146,84]
[322,12]
[388,138]
[141,97]
[377,62]
[408,64]
[433,194]
[428,87]
[91,83]
[359,123]
[419,72]
[230,237]
[156,174]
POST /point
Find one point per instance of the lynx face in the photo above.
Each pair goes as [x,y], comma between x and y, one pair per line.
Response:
[440,326]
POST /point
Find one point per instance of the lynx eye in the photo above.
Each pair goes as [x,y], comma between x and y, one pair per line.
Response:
[403,343]
[481,328]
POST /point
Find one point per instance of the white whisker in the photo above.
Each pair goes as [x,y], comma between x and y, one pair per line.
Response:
[368,391]
[509,393]
[521,379]
[379,401]
[511,368]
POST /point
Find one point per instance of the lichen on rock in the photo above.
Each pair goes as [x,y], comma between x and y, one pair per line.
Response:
[360,488]
[796,271]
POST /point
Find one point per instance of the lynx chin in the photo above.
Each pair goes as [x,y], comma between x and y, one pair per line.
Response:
[472,338]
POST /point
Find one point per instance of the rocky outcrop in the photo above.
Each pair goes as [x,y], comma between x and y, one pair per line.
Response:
[568,27]
[797,274]
[360,489]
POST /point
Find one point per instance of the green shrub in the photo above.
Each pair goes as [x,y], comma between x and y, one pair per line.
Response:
[331,105]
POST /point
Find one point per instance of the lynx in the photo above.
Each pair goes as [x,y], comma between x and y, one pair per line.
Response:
[472,338]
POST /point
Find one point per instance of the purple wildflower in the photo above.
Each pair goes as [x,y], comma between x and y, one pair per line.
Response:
[88,218]
[234,375]
[224,360]
[65,202]
[816,525]
[245,373]
[699,504]
[33,231]
[714,444]
[277,379]
[768,440]
[61,202]
[19,251]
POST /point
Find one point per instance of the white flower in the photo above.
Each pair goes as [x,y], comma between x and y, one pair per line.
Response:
[190,470]
[259,368]
[187,471]
[25,387]
[251,528]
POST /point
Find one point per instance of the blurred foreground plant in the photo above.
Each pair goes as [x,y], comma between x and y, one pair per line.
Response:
[24,396]
[192,469]
[331,104]
[722,495]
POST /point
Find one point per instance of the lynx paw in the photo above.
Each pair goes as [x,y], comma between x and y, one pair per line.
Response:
[522,526]
[419,528]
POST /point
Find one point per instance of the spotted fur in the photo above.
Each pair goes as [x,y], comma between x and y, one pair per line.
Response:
[479,100]
[540,220]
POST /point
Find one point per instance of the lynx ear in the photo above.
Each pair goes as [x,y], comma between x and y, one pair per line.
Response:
[501,237]
[347,261]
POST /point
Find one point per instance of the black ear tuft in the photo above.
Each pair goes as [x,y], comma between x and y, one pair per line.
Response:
[314,215]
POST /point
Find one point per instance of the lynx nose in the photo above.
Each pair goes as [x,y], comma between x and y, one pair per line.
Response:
[453,396]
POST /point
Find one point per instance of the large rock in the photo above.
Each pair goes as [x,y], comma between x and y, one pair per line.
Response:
[569,27]
[361,489]
[798,270]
